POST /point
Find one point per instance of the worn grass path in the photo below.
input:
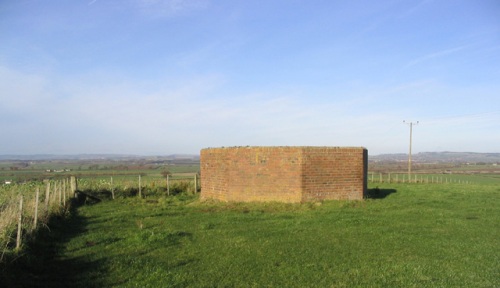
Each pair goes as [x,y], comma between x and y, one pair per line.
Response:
[410,236]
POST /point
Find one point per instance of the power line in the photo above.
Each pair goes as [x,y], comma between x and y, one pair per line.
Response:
[462,117]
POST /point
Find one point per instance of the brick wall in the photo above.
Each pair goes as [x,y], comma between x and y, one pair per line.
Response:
[285,174]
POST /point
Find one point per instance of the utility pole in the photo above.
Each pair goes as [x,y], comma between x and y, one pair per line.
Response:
[409,154]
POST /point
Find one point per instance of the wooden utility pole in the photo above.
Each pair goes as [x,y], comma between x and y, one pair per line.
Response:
[409,154]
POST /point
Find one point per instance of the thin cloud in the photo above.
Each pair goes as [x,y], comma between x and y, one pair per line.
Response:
[415,8]
[434,55]
[169,8]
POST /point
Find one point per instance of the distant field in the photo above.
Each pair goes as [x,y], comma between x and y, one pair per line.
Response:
[409,235]
[21,171]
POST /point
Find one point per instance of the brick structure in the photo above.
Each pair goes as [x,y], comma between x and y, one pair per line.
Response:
[284,174]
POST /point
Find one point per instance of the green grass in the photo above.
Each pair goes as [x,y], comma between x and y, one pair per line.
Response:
[412,235]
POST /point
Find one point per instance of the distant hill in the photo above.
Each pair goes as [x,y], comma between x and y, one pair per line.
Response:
[448,157]
[41,157]
[424,157]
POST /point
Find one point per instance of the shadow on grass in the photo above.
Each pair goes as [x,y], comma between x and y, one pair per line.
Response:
[42,263]
[377,193]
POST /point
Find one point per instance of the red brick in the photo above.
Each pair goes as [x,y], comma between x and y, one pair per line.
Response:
[285,174]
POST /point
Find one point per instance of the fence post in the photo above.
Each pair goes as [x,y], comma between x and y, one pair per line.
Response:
[168,186]
[73,185]
[380,177]
[112,189]
[47,196]
[54,193]
[64,191]
[195,184]
[59,191]
[19,224]
[36,207]
[140,192]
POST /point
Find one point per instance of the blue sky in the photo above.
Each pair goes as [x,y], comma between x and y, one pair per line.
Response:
[157,77]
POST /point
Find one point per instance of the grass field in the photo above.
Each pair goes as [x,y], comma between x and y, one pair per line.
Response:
[39,171]
[409,235]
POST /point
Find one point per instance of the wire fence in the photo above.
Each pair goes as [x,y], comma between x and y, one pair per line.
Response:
[24,208]
[141,185]
[414,178]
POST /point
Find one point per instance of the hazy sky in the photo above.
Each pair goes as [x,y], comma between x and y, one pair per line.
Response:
[171,76]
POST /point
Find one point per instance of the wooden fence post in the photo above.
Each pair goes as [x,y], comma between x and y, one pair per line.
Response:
[140,193]
[112,188]
[195,184]
[73,185]
[19,224]
[47,196]
[59,191]
[168,186]
[64,191]
[36,207]
[54,193]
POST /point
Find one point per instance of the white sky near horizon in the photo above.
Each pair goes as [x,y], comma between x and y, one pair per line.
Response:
[157,77]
